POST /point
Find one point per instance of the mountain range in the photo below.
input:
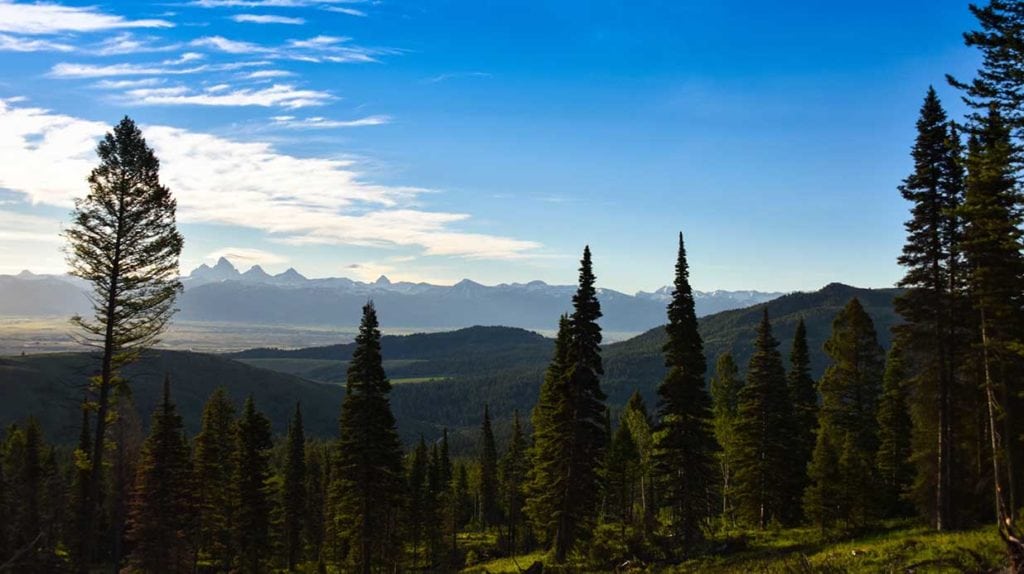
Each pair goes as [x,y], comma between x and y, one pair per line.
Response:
[222,293]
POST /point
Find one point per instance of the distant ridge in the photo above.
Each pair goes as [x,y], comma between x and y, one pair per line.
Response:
[222,294]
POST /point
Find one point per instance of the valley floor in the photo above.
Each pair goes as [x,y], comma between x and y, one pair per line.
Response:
[896,548]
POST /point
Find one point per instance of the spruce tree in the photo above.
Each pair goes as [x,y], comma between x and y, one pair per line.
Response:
[251,521]
[569,426]
[317,478]
[215,460]
[763,436]
[514,468]
[368,484]
[80,502]
[490,508]
[418,519]
[294,495]
[929,304]
[850,390]
[992,245]
[685,444]
[803,395]
[635,417]
[893,460]
[623,467]
[160,516]
[725,390]
[123,241]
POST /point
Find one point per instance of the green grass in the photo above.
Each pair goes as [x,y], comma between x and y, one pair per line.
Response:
[897,548]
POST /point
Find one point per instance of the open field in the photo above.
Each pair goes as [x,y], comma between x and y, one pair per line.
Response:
[898,548]
[31,335]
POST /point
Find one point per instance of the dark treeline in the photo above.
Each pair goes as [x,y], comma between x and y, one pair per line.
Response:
[928,430]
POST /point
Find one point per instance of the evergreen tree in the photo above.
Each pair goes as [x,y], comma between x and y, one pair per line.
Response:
[893,460]
[23,459]
[294,495]
[992,245]
[418,520]
[80,498]
[252,501]
[622,470]
[804,397]
[160,516]
[685,443]
[124,242]
[929,304]
[569,425]
[215,474]
[999,82]
[850,390]
[635,417]
[316,499]
[368,483]
[514,469]
[763,435]
[490,509]
[725,390]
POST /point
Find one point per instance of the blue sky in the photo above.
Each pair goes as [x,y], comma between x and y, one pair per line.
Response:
[435,140]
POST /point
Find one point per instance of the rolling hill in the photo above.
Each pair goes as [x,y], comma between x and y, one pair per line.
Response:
[440,379]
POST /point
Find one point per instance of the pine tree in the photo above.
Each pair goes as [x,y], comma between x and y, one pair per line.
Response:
[514,470]
[317,478]
[999,82]
[685,444]
[22,457]
[763,435]
[368,484]
[850,390]
[623,468]
[635,417]
[251,522]
[294,496]
[490,508]
[80,497]
[803,395]
[894,436]
[162,505]
[569,426]
[123,241]
[215,460]
[992,245]
[929,304]
[725,390]
[418,520]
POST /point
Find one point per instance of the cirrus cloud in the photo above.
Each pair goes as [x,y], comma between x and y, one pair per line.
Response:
[294,200]
[22,18]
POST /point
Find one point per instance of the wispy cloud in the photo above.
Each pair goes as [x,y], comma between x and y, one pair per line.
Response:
[270,3]
[70,70]
[267,19]
[292,122]
[335,49]
[128,43]
[247,184]
[267,74]
[43,18]
[456,75]
[282,95]
[345,10]
[10,43]
[245,256]
[16,226]
[127,84]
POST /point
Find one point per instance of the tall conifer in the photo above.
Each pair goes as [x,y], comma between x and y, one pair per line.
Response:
[490,509]
[161,508]
[368,485]
[763,435]
[251,521]
[294,495]
[215,480]
[685,443]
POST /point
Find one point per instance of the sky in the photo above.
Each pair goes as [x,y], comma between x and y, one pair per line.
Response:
[435,140]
